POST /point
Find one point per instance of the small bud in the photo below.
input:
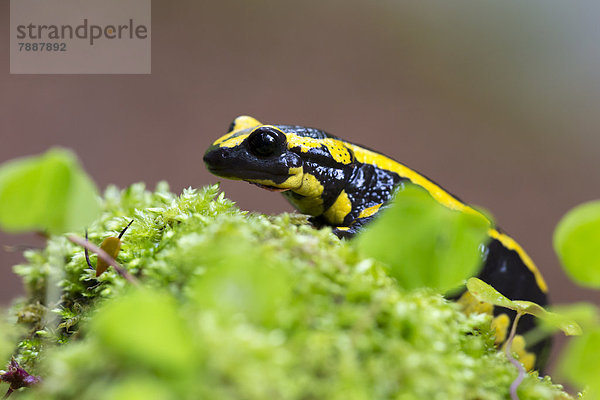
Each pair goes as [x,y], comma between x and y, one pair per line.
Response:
[17,377]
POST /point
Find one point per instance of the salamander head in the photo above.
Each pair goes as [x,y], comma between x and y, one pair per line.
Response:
[255,153]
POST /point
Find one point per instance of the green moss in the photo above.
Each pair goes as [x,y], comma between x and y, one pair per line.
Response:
[244,306]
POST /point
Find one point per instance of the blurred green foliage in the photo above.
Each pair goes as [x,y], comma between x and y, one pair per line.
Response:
[7,341]
[577,243]
[424,243]
[150,332]
[580,364]
[244,306]
[47,193]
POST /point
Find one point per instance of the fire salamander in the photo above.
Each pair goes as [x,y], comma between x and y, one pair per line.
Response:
[344,185]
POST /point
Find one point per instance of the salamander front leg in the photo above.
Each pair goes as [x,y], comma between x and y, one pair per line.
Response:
[347,232]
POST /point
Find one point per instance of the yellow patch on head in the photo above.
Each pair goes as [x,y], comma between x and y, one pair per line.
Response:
[231,140]
[339,209]
[244,122]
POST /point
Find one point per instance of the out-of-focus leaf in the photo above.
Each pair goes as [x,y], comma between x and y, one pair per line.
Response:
[486,293]
[6,345]
[580,363]
[49,193]
[138,388]
[145,327]
[241,281]
[577,240]
[424,243]
[585,314]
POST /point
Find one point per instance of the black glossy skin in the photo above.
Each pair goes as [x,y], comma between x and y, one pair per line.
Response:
[239,163]
[366,185]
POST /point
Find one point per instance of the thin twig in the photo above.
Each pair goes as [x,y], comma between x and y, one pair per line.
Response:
[87,255]
[124,229]
[105,256]
[508,351]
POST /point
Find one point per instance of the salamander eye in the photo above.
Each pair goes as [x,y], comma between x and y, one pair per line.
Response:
[265,141]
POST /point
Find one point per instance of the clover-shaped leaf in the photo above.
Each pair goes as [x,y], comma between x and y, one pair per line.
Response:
[486,293]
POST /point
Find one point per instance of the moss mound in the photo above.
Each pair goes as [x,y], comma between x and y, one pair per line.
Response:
[242,306]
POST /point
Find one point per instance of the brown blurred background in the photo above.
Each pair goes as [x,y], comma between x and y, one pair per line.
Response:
[497,101]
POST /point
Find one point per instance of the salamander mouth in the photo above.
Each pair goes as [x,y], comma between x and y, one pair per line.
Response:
[236,175]
[222,172]
[269,188]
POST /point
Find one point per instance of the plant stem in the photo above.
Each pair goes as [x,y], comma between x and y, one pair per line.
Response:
[8,393]
[508,352]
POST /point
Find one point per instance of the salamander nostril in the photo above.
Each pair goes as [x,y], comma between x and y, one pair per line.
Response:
[219,158]
[212,157]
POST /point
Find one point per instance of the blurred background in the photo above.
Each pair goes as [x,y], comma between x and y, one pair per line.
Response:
[496,101]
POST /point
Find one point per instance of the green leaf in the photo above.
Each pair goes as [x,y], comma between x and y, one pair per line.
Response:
[49,193]
[145,328]
[6,342]
[242,280]
[559,321]
[137,388]
[577,240]
[586,314]
[580,363]
[424,243]
[486,293]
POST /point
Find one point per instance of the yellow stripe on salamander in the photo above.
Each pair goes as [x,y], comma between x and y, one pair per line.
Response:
[369,157]
[510,244]
[337,148]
